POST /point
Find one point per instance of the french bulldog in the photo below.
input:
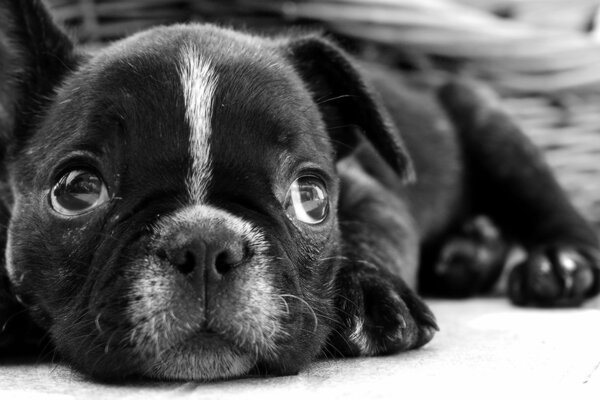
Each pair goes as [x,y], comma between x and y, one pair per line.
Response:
[198,203]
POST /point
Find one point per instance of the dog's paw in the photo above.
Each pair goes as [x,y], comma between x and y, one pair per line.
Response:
[379,315]
[471,261]
[555,276]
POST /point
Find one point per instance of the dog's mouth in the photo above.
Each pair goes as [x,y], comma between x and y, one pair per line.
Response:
[207,337]
[182,344]
[204,355]
[179,334]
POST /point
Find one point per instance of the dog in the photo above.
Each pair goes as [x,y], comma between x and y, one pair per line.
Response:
[198,203]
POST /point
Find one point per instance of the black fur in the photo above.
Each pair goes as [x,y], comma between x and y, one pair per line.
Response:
[407,168]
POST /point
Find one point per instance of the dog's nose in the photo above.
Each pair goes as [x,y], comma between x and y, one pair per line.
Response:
[212,254]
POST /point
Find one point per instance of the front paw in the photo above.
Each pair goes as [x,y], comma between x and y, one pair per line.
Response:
[379,314]
[555,276]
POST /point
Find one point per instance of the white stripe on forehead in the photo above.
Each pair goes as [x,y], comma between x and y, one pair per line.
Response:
[199,82]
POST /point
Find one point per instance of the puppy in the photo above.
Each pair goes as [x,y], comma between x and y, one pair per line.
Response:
[196,203]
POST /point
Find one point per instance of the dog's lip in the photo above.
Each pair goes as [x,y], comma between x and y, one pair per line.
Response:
[201,340]
[209,338]
[206,334]
[202,355]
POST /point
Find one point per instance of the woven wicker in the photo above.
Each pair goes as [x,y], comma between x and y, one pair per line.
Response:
[101,20]
[545,66]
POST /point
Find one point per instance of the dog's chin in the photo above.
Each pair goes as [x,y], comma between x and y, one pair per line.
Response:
[201,358]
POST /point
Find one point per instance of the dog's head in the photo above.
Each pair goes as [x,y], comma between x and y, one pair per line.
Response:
[173,197]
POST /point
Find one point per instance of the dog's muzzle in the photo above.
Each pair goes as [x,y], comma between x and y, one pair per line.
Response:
[203,297]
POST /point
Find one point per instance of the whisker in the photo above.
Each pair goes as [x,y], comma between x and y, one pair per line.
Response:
[97,321]
[316,320]
[343,96]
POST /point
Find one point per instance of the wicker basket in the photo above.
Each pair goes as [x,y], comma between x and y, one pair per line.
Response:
[541,61]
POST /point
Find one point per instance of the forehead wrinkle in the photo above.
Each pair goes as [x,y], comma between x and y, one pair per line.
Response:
[199,82]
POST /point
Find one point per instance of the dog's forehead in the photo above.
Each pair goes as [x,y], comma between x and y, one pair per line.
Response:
[235,87]
[236,79]
[197,96]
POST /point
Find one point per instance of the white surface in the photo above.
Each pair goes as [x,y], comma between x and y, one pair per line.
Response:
[485,349]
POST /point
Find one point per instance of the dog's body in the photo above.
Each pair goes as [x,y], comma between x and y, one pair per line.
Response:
[197,203]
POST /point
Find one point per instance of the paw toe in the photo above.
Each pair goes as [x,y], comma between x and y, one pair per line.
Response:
[406,323]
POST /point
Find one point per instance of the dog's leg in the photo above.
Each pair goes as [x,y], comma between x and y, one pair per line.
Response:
[512,183]
[379,311]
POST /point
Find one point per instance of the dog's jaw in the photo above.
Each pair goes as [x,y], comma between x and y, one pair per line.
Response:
[202,360]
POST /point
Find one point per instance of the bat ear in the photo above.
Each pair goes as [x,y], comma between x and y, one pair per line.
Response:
[347,104]
[34,55]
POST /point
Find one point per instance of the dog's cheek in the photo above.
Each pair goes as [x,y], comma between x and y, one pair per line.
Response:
[316,263]
[319,287]
[48,262]
[33,268]
[94,331]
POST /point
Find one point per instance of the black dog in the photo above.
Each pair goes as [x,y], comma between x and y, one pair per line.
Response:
[198,203]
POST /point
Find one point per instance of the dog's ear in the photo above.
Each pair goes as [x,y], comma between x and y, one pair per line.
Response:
[346,102]
[34,56]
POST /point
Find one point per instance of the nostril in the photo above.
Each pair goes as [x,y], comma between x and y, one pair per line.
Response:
[186,262]
[218,258]
[223,263]
[229,258]
[162,254]
[248,253]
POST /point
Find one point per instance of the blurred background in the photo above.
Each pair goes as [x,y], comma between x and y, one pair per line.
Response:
[542,56]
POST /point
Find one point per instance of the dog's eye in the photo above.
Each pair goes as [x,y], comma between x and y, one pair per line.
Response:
[77,192]
[307,200]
